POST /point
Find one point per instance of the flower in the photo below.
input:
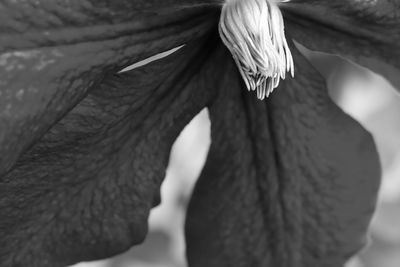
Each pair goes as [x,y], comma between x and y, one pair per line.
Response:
[290,181]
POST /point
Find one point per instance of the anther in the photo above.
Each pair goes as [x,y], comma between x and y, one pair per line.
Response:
[253,31]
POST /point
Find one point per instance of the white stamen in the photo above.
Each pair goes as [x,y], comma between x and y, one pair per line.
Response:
[253,31]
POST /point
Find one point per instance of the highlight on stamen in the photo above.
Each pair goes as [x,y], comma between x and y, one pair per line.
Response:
[253,31]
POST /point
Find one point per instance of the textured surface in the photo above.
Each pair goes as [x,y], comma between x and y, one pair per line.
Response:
[83,151]
[85,189]
[50,58]
[288,182]
[366,31]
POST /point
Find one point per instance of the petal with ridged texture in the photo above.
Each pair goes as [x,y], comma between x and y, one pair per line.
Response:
[365,31]
[83,191]
[53,52]
[289,182]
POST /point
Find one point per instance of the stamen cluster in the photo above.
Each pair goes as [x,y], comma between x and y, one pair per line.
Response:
[253,31]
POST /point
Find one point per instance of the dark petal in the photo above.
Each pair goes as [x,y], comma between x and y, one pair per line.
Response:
[84,190]
[52,52]
[367,32]
[289,182]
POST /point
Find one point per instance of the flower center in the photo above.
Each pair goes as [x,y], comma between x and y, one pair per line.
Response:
[253,31]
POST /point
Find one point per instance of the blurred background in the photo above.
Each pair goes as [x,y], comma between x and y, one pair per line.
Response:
[362,94]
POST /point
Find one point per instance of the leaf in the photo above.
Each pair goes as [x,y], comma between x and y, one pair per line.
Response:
[84,190]
[367,32]
[51,54]
[288,182]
